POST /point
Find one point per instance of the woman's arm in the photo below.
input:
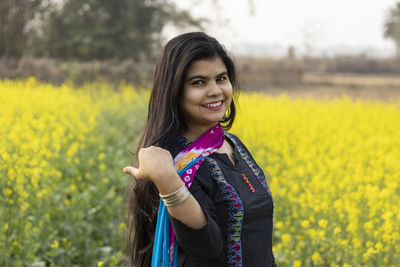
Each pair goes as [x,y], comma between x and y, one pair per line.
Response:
[189,211]
[206,243]
[157,165]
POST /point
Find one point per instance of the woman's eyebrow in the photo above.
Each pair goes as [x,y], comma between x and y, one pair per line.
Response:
[222,74]
[205,77]
[196,77]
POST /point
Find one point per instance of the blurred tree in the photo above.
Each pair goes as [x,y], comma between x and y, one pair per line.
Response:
[15,19]
[392,26]
[99,29]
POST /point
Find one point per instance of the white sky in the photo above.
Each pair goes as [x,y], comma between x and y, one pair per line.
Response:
[323,23]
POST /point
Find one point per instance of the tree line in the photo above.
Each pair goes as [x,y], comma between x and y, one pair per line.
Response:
[103,29]
[87,29]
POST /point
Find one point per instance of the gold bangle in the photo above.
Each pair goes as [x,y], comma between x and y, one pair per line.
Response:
[176,197]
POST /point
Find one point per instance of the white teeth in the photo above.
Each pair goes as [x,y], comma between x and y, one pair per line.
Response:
[213,105]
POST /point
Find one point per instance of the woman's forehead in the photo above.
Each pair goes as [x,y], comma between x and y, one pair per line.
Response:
[206,66]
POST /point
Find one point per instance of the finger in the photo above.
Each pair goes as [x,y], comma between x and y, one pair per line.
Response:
[131,170]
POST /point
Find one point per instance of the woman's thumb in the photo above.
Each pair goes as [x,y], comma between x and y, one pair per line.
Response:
[131,170]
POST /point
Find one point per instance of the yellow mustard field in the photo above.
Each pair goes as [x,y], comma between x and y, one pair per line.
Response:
[61,184]
[335,175]
[333,167]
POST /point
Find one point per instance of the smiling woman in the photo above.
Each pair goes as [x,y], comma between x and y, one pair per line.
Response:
[209,214]
[207,95]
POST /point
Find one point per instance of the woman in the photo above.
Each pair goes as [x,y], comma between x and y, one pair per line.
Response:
[225,217]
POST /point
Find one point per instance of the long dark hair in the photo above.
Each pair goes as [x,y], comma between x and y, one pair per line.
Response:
[164,124]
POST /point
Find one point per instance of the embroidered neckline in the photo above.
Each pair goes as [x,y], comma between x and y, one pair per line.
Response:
[245,154]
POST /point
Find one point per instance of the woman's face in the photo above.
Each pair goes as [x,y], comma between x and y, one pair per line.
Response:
[207,93]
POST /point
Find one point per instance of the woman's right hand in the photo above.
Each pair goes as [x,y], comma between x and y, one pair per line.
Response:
[155,163]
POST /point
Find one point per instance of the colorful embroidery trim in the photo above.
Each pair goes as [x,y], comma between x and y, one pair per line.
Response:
[248,183]
[235,218]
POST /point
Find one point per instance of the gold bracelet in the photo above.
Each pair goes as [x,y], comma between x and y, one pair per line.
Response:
[176,197]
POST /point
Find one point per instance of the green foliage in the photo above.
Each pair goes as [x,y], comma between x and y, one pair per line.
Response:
[392,25]
[15,17]
[87,29]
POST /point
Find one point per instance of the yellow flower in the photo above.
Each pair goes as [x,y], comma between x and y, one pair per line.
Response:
[286,238]
[323,223]
[368,226]
[378,246]
[122,227]
[279,225]
[8,192]
[55,244]
[316,258]
[337,230]
[370,252]
[297,263]
[100,264]
[102,167]
[72,188]
[101,156]
[305,224]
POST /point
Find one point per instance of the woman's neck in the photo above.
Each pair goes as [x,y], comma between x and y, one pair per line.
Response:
[194,132]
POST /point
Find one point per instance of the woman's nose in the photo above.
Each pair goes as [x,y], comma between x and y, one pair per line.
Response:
[214,89]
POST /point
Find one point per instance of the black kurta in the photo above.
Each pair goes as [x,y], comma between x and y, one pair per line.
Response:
[238,209]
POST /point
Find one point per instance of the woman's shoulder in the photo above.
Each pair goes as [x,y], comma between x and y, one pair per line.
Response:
[239,145]
[232,136]
[234,139]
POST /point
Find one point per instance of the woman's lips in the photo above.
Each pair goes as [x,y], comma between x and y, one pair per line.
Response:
[213,105]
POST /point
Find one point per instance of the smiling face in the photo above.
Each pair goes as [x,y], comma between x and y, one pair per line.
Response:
[207,95]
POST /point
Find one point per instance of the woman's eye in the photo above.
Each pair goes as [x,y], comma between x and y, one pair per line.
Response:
[198,82]
[221,79]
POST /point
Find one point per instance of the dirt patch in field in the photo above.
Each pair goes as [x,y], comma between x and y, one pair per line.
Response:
[377,88]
